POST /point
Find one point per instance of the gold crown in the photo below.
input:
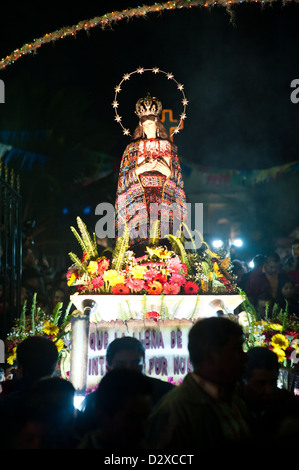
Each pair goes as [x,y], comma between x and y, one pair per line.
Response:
[148,106]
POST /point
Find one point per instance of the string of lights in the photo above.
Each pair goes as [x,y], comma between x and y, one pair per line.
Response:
[115,16]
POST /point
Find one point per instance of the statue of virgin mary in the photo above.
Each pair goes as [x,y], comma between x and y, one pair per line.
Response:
[150,190]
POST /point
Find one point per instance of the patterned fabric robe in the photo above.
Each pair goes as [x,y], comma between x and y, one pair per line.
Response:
[136,193]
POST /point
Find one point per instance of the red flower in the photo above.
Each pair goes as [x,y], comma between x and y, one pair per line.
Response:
[184,269]
[154,315]
[120,289]
[291,333]
[82,288]
[160,278]
[289,351]
[191,287]
[103,265]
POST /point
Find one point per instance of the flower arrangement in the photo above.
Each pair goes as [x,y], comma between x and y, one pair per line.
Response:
[38,323]
[280,333]
[159,271]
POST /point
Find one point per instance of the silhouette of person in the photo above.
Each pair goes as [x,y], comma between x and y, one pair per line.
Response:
[205,411]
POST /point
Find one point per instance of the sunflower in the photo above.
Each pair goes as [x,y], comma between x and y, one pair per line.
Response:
[280,354]
[279,341]
[50,329]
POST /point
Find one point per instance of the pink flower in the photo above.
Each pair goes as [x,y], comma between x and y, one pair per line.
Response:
[178,279]
[150,274]
[97,282]
[171,289]
[174,265]
[135,285]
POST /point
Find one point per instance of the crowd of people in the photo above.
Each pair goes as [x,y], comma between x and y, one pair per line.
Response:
[229,399]
[271,281]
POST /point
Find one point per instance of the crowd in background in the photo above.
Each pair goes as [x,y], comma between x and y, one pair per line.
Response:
[229,398]
[271,281]
[268,279]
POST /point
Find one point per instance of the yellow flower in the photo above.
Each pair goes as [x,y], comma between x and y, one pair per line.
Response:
[92,267]
[71,279]
[59,344]
[280,354]
[204,286]
[159,252]
[216,269]
[275,326]
[279,341]
[137,272]
[10,360]
[154,251]
[165,254]
[225,263]
[113,277]
[50,329]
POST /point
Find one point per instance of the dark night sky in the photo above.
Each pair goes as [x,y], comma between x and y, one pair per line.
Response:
[236,78]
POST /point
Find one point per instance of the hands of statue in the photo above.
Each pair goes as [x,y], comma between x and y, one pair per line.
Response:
[144,167]
[152,165]
[163,168]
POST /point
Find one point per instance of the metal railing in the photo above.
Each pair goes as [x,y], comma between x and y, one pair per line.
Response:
[10,249]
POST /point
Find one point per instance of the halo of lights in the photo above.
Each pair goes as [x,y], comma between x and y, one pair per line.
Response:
[140,71]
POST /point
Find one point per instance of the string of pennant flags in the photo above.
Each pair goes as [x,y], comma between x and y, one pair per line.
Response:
[194,174]
[228,177]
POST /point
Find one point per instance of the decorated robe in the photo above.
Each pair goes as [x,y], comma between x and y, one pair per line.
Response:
[135,194]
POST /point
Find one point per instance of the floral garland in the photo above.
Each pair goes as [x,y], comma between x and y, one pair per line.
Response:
[159,271]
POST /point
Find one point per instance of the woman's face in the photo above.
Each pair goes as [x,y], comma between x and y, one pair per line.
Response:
[150,129]
[288,290]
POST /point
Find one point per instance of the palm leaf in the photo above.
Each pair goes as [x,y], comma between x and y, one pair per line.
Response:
[179,248]
[121,247]
[79,239]
[77,261]
[154,234]
[190,236]
[91,247]
[57,312]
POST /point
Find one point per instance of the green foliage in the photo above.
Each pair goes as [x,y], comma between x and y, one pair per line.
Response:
[120,250]
[87,244]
